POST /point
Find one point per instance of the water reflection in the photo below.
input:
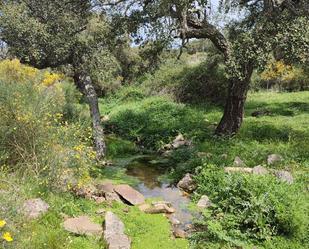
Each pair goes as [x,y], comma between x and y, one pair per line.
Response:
[151,187]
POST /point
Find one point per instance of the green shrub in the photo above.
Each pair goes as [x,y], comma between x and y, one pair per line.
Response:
[251,209]
[193,79]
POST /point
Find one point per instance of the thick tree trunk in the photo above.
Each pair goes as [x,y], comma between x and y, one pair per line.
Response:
[234,106]
[84,83]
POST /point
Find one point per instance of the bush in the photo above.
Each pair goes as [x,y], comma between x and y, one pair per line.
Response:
[193,79]
[34,137]
[251,209]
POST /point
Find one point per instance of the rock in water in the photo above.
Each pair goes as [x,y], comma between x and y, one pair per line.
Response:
[33,208]
[82,225]
[187,183]
[238,162]
[259,170]
[204,202]
[273,159]
[114,233]
[284,176]
[130,194]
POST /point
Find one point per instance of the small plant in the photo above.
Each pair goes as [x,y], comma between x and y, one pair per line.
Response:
[6,236]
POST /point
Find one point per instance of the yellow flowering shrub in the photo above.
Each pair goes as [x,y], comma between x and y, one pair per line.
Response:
[277,70]
[50,79]
[285,76]
[14,70]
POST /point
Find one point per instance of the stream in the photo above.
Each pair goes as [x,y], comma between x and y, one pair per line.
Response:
[151,185]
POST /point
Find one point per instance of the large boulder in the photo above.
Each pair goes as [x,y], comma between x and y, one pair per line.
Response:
[187,183]
[129,194]
[284,176]
[114,232]
[274,159]
[82,225]
[34,208]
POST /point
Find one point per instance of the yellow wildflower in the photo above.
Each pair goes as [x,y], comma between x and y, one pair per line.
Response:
[2,223]
[7,237]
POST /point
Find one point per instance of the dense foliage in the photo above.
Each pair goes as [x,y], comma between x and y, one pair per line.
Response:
[251,208]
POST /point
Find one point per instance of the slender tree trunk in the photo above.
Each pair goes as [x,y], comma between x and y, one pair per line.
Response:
[85,85]
[234,106]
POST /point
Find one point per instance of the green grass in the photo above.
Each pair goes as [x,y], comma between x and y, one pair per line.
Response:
[145,230]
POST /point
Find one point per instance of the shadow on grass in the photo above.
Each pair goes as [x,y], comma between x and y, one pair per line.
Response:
[282,109]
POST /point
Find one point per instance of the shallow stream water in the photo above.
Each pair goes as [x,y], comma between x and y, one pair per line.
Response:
[151,186]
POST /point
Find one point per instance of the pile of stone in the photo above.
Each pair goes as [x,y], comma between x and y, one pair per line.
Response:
[108,192]
[177,143]
[282,175]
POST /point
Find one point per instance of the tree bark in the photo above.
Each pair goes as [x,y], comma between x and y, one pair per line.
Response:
[234,106]
[85,85]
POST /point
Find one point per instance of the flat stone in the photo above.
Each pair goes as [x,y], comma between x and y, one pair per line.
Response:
[273,159]
[82,225]
[238,162]
[167,203]
[130,194]
[114,233]
[284,176]
[34,208]
[238,169]
[160,209]
[187,183]
[260,170]
[204,202]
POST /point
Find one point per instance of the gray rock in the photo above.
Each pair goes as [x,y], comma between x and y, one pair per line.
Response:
[130,194]
[284,176]
[82,225]
[273,159]
[187,183]
[160,208]
[204,202]
[34,208]
[259,170]
[238,162]
[114,232]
